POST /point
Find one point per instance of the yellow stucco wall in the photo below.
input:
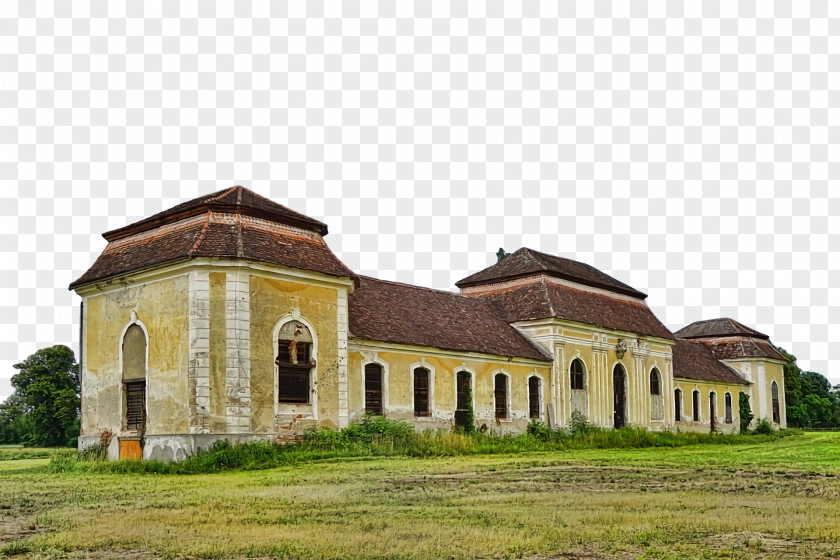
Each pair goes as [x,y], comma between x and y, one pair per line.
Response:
[687,424]
[271,300]
[399,396]
[162,306]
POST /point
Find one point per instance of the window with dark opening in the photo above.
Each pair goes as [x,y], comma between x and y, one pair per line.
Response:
[534,397]
[728,404]
[654,382]
[373,389]
[500,392]
[134,377]
[576,374]
[135,405]
[777,417]
[294,363]
[677,405]
[696,406]
[421,392]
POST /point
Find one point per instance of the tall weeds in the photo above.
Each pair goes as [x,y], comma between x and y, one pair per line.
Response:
[377,436]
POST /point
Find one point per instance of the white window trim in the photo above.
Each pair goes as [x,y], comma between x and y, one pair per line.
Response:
[133,320]
[431,369]
[716,417]
[308,411]
[731,408]
[698,405]
[374,359]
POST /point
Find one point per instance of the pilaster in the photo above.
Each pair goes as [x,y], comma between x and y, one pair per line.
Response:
[343,381]
[238,353]
[199,352]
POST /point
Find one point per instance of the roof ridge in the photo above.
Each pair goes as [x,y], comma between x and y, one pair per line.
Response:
[223,194]
[447,292]
[201,235]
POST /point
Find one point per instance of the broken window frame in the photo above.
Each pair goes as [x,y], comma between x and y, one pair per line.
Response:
[655,383]
[135,397]
[295,361]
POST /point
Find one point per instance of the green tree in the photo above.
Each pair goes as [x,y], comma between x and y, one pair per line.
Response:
[45,406]
[810,400]
[745,411]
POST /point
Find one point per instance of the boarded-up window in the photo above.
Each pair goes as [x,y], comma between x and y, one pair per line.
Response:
[534,397]
[135,405]
[421,392]
[696,407]
[294,363]
[134,377]
[774,393]
[728,404]
[677,405]
[576,374]
[500,392]
[654,382]
[373,389]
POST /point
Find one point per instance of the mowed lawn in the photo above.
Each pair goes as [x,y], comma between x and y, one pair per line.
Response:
[771,500]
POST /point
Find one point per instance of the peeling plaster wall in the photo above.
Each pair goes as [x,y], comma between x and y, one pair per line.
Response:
[163,308]
[687,424]
[762,373]
[398,397]
[272,299]
[218,333]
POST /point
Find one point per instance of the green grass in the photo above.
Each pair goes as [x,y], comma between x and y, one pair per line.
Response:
[18,452]
[776,499]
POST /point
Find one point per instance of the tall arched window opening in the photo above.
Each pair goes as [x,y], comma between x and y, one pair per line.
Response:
[576,375]
[134,378]
[696,405]
[500,386]
[728,405]
[421,392]
[373,389]
[677,405]
[774,391]
[534,397]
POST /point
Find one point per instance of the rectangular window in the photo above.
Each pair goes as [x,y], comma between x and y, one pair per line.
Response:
[501,395]
[293,383]
[373,389]
[135,405]
[421,392]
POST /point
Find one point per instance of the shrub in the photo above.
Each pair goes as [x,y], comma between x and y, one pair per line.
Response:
[763,427]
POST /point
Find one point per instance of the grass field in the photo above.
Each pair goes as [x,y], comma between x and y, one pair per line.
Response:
[779,499]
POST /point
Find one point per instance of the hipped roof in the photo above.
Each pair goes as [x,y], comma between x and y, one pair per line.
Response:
[695,360]
[546,299]
[403,314]
[718,327]
[528,262]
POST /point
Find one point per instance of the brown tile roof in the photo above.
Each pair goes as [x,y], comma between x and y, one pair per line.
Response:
[403,314]
[718,327]
[220,236]
[742,347]
[693,360]
[234,200]
[544,299]
[527,262]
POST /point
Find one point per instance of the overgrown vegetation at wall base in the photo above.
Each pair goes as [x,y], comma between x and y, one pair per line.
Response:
[379,437]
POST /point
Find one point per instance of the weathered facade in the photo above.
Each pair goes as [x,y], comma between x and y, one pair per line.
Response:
[228,317]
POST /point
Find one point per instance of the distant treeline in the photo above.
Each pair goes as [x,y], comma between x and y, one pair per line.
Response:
[810,400]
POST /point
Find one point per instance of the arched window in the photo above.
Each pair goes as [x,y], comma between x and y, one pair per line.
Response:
[500,387]
[696,405]
[534,397]
[134,377]
[774,391]
[576,375]
[713,410]
[373,389]
[728,405]
[294,363]
[678,405]
[421,392]
[654,382]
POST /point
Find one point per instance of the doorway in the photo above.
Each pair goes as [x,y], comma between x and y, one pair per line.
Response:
[463,397]
[618,397]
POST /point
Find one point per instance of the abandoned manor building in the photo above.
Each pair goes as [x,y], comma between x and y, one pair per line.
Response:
[228,317]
